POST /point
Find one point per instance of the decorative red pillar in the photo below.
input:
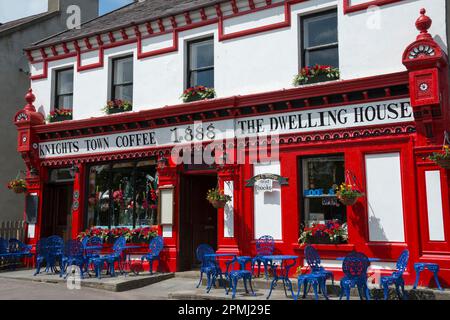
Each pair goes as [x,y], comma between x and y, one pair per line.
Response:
[27,146]
[168,180]
[79,193]
[228,228]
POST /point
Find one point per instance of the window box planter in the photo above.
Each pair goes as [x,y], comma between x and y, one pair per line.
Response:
[198,93]
[331,232]
[58,115]
[316,74]
[117,106]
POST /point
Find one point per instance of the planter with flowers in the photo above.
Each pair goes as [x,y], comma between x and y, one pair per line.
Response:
[60,114]
[109,236]
[117,106]
[331,232]
[318,73]
[18,186]
[217,198]
[442,159]
[198,93]
[348,194]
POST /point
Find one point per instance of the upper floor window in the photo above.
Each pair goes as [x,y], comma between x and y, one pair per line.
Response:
[320,39]
[64,89]
[201,63]
[122,79]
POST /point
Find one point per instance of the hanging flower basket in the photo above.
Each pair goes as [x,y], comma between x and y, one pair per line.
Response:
[442,159]
[347,194]
[348,200]
[217,198]
[18,185]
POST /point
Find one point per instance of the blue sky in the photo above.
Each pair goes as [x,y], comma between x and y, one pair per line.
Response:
[16,9]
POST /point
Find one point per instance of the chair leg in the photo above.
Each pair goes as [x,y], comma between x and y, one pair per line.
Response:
[324,288]
[347,292]
[201,278]
[417,279]
[245,285]
[235,280]
[316,296]
[151,266]
[436,279]
[251,286]
[341,295]
[367,291]
[386,291]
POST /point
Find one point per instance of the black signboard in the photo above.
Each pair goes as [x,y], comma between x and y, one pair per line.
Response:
[32,204]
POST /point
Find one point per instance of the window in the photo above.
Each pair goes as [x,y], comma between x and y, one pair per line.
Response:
[122,194]
[320,205]
[320,39]
[201,63]
[122,79]
[64,89]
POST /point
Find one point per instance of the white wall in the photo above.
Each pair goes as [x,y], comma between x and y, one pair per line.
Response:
[384,197]
[257,63]
[267,205]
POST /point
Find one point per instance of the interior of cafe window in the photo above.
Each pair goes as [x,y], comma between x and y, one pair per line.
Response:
[122,194]
[319,176]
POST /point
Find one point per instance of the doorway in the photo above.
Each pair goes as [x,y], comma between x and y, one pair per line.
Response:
[57,210]
[198,218]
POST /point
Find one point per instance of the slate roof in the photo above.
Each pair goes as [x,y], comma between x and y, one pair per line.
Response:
[137,12]
[11,25]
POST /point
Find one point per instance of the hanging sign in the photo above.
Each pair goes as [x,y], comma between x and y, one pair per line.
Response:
[261,181]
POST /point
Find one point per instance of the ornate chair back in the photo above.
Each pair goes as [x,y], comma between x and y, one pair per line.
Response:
[355,265]
[265,246]
[55,245]
[93,242]
[156,245]
[119,245]
[3,246]
[16,246]
[203,250]
[74,249]
[41,247]
[312,258]
[402,262]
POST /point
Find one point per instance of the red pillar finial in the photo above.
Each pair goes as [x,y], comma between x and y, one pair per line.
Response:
[30,98]
[423,23]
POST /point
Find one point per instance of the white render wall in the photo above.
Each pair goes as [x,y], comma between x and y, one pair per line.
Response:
[257,63]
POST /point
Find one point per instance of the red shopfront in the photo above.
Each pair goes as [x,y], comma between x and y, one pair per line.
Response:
[397,120]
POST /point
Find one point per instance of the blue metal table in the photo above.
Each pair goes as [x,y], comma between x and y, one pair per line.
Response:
[287,262]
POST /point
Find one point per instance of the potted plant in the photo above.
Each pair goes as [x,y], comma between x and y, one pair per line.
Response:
[198,93]
[60,114]
[442,158]
[318,73]
[347,194]
[18,185]
[117,106]
[331,232]
[217,198]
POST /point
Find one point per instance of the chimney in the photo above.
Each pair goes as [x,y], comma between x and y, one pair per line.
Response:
[53,5]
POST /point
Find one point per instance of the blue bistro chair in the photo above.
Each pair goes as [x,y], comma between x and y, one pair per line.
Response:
[355,267]
[4,252]
[397,277]
[265,246]
[55,253]
[73,256]
[114,257]
[41,254]
[208,266]
[92,247]
[18,250]
[233,274]
[154,249]
[314,262]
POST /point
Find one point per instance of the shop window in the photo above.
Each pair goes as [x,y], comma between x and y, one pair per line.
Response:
[319,176]
[122,194]
[122,79]
[320,39]
[64,89]
[200,63]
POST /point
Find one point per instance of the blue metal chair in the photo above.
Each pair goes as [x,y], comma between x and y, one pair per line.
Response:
[92,249]
[4,250]
[18,250]
[397,277]
[265,246]
[314,262]
[154,249]
[41,254]
[111,259]
[73,256]
[55,253]
[355,267]
[233,275]
[208,266]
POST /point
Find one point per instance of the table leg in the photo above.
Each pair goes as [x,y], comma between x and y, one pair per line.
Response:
[274,281]
[419,269]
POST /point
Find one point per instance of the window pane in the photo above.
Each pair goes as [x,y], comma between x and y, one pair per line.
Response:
[124,93]
[202,54]
[98,197]
[146,202]
[203,78]
[65,102]
[323,173]
[324,57]
[320,30]
[123,70]
[65,82]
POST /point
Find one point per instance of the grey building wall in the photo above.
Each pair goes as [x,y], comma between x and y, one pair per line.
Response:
[14,82]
